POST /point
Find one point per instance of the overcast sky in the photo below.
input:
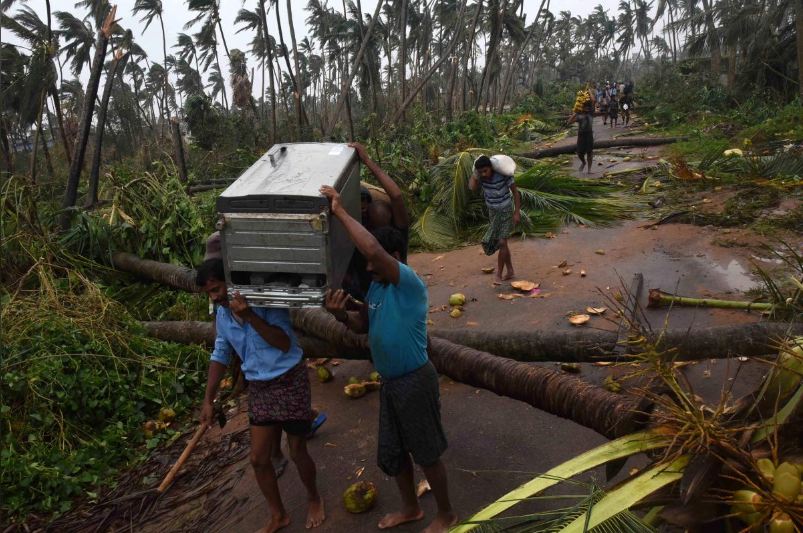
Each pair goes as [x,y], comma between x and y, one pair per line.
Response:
[176,15]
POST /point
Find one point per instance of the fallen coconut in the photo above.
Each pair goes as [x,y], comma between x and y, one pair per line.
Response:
[523,285]
[360,497]
[456,312]
[457,299]
[355,390]
[149,428]
[371,385]
[374,376]
[353,380]
[324,374]
[567,272]
[509,296]
[579,320]
[166,414]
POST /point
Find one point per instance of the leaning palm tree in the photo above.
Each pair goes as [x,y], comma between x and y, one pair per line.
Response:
[71,191]
[152,9]
[262,46]
[41,76]
[121,54]
[206,45]
[79,40]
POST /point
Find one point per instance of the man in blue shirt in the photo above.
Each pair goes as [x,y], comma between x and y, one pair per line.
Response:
[503,201]
[409,401]
[279,396]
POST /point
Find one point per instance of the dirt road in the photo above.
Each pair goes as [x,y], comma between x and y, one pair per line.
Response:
[496,444]
[610,159]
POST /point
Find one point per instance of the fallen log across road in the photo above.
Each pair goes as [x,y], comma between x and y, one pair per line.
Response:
[608,143]
[558,393]
[586,345]
[577,345]
[197,332]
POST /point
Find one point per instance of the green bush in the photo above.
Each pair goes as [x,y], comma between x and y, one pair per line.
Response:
[78,379]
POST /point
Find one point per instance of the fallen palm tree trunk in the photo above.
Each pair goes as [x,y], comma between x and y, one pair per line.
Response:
[203,333]
[577,345]
[178,277]
[192,189]
[608,143]
[586,345]
[557,393]
[659,298]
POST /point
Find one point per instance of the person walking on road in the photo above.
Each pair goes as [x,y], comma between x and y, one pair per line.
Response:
[503,201]
[395,318]
[279,397]
[585,137]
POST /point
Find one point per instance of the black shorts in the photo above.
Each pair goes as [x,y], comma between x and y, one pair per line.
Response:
[585,143]
[410,420]
[291,427]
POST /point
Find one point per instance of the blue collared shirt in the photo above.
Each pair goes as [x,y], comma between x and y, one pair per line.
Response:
[260,360]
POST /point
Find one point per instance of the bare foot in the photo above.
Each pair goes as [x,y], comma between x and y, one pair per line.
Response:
[581,167]
[510,275]
[315,513]
[396,519]
[442,523]
[498,278]
[276,523]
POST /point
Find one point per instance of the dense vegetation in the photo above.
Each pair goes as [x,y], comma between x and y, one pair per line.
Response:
[90,168]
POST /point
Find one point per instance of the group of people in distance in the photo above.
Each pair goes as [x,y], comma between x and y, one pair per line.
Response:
[612,99]
[606,100]
[382,297]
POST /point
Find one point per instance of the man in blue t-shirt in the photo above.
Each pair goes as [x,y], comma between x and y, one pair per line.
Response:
[503,201]
[409,401]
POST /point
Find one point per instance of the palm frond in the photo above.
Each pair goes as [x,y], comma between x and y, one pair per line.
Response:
[434,229]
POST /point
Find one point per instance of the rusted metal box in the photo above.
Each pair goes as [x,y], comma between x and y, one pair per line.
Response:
[281,247]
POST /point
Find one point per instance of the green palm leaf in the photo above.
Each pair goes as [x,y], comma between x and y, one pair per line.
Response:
[615,449]
[628,494]
[434,229]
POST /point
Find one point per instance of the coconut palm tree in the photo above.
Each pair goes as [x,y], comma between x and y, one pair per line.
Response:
[262,46]
[40,78]
[150,10]
[101,44]
[206,38]
[206,45]
[121,51]
[644,24]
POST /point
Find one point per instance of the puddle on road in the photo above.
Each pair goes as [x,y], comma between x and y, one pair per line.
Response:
[734,275]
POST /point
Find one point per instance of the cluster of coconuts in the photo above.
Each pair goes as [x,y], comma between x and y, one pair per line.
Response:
[152,427]
[457,301]
[357,388]
[751,508]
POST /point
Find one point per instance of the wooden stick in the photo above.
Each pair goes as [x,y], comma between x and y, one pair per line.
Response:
[168,480]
